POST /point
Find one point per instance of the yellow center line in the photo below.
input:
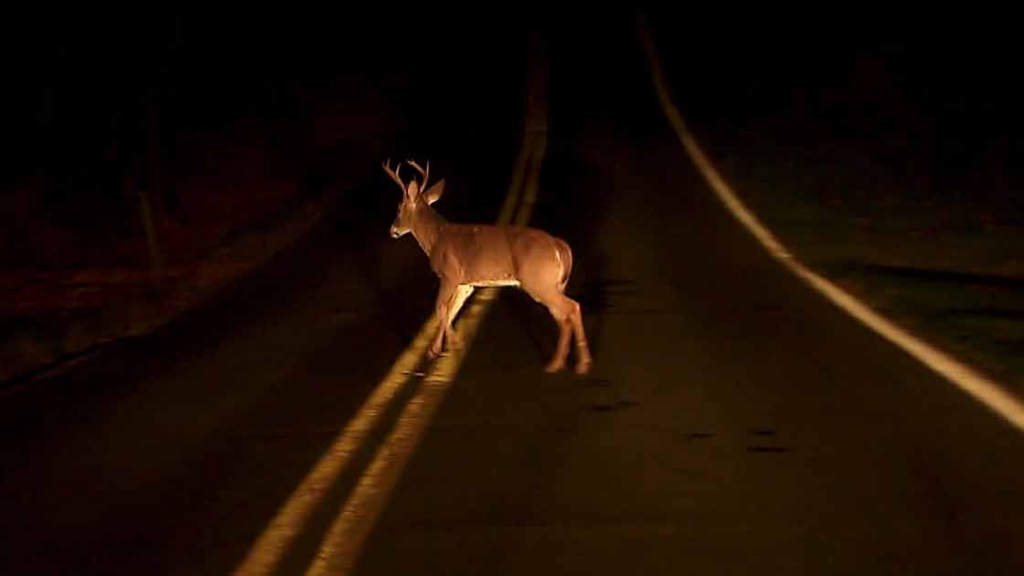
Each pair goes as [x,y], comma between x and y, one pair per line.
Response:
[276,539]
[358,516]
[990,393]
[515,187]
[353,525]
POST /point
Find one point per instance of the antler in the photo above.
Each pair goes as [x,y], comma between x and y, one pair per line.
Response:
[425,173]
[394,173]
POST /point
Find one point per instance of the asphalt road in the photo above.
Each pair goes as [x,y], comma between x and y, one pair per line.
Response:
[734,422]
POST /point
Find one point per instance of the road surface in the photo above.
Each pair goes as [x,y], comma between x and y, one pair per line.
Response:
[735,422]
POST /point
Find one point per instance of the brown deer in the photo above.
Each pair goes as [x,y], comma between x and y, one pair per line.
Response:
[465,256]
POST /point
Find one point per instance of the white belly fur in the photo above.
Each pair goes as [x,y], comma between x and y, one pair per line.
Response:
[486,283]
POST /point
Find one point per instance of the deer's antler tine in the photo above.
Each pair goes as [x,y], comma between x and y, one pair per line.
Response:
[425,173]
[394,173]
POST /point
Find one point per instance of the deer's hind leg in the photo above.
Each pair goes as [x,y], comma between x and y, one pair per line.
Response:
[562,349]
[560,308]
[583,357]
[545,282]
[569,318]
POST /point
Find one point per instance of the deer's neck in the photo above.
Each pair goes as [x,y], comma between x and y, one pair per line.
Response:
[427,228]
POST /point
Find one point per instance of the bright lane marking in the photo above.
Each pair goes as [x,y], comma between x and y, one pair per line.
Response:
[533,180]
[277,537]
[351,528]
[990,393]
[279,534]
[516,186]
[344,540]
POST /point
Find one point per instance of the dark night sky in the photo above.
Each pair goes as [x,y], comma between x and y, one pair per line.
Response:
[73,80]
[76,81]
[79,63]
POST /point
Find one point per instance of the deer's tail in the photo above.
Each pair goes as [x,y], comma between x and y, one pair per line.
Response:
[565,259]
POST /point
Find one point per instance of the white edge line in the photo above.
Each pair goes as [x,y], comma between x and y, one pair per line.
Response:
[990,393]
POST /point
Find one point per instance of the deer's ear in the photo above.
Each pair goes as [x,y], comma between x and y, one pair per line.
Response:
[412,191]
[434,192]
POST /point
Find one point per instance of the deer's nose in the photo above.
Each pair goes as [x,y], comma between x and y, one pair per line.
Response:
[394,232]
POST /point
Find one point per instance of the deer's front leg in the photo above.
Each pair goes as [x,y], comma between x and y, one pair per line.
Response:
[445,295]
[462,292]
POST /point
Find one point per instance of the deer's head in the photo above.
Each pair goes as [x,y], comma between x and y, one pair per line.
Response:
[415,197]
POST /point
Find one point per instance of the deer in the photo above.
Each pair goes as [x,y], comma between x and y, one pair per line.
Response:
[465,256]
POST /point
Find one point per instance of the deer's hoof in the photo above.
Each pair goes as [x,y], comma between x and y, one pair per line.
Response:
[554,367]
[583,367]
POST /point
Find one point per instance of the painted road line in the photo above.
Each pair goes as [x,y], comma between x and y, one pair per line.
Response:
[988,392]
[281,532]
[353,525]
[512,199]
[276,539]
[533,181]
[350,529]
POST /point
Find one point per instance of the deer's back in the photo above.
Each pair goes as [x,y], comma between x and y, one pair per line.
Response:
[494,255]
